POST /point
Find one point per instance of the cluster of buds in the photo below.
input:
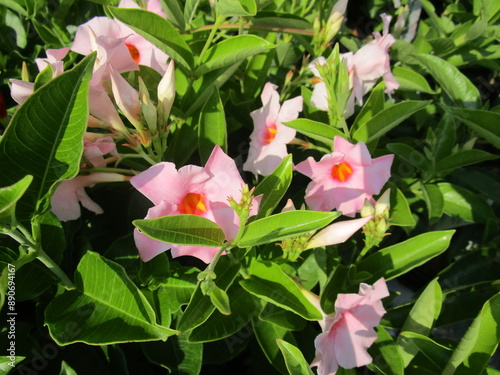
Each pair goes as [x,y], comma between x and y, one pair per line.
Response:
[323,35]
[376,229]
[243,207]
[293,247]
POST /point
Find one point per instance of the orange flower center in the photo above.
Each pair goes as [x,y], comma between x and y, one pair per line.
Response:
[270,133]
[193,204]
[341,172]
[134,52]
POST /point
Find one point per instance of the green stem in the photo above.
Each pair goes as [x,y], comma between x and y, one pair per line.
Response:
[213,31]
[217,256]
[111,170]
[51,265]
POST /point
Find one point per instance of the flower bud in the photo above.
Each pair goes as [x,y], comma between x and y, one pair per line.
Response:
[166,92]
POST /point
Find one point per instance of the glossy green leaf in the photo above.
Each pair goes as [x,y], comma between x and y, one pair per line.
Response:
[283,318]
[274,186]
[106,307]
[371,107]
[315,130]
[268,282]
[174,13]
[483,181]
[458,87]
[176,354]
[398,259]
[231,51]
[158,31]
[387,119]
[464,204]
[337,282]
[410,80]
[6,365]
[236,8]
[436,353]
[46,133]
[400,212]
[294,359]
[482,122]
[212,127]
[267,335]
[14,5]
[200,306]
[9,196]
[463,158]
[434,200]
[284,225]
[219,326]
[385,354]
[421,319]
[282,20]
[479,343]
[183,230]
[410,155]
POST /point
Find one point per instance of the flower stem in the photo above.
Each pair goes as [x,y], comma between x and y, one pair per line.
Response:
[51,265]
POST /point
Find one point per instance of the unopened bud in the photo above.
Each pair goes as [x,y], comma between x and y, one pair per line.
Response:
[383,204]
[367,209]
[166,91]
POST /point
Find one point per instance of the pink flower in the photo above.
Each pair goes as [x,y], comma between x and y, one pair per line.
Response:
[269,138]
[20,90]
[191,190]
[69,194]
[337,233]
[54,58]
[344,178]
[348,333]
[151,5]
[96,146]
[371,62]
[121,47]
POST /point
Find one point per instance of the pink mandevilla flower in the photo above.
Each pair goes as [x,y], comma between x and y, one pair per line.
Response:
[117,45]
[348,333]
[191,190]
[269,138]
[151,5]
[344,178]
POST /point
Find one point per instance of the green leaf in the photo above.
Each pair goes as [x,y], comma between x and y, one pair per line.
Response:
[174,13]
[212,127]
[463,158]
[200,306]
[294,359]
[337,282]
[44,138]
[236,8]
[14,5]
[479,343]
[421,319]
[220,300]
[482,122]
[400,258]
[434,201]
[267,335]
[401,214]
[183,230]
[284,225]
[283,318]
[158,31]
[9,196]
[436,353]
[17,27]
[274,187]
[281,20]
[385,353]
[458,87]
[464,204]
[177,355]
[219,326]
[410,155]
[6,365]
[268,282]
[315,130]
[230,51]
[106,307]
[410,80]
[387,119]
[372,106]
